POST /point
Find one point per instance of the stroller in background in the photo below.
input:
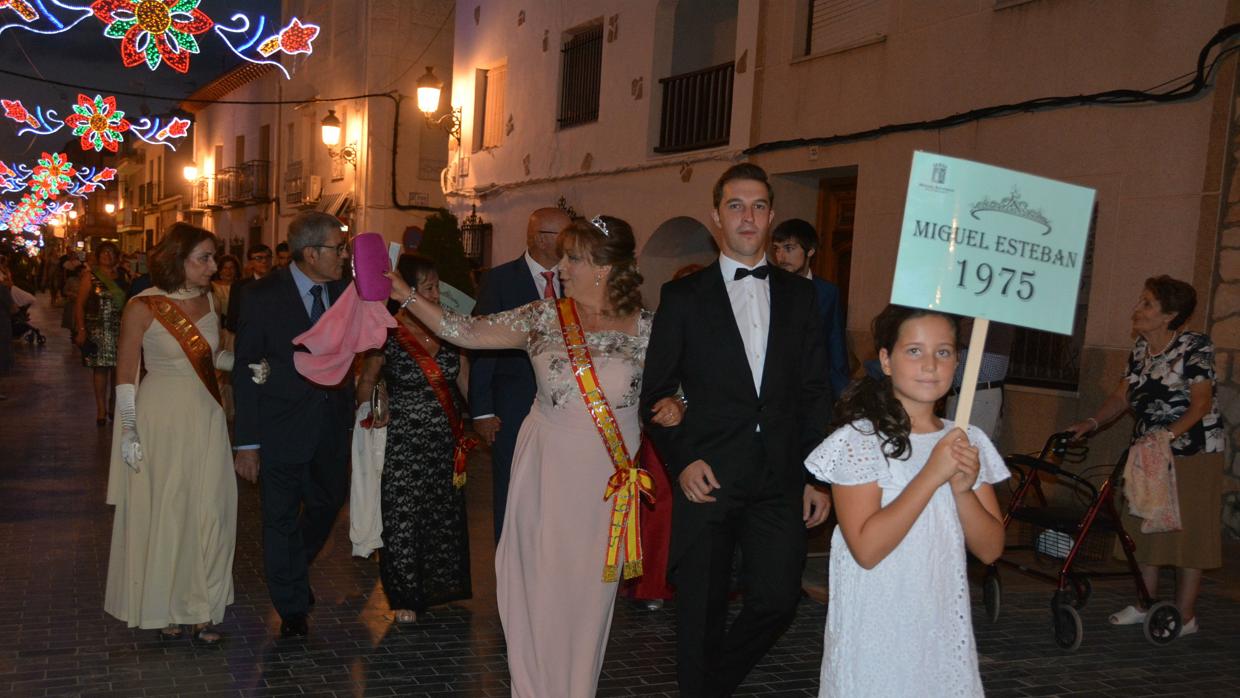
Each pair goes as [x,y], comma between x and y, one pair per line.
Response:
[20,321]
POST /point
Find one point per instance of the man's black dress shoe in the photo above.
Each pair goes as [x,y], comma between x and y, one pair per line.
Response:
[294,626]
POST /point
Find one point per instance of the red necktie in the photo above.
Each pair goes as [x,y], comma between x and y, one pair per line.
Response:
[549,289]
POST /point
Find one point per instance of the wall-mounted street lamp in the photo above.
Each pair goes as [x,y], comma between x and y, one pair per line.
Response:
[330,132]
[430,88]
[190,172]
[109,208]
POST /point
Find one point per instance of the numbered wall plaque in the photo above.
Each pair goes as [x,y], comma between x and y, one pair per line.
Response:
[984,241]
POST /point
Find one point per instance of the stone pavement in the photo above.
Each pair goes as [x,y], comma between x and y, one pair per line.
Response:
[56,640]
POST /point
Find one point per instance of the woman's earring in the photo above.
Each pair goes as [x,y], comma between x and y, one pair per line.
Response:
[598,280]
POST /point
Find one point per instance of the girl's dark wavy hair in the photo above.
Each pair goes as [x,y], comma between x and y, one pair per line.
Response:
[874,399]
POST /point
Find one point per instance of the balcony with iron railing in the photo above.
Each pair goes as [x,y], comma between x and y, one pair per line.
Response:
[201,194]
[226,181]
[253,183]
[697,109]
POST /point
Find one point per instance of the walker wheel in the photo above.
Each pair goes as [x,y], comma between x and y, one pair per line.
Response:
[1067,624]
[1081,590]
[992,594]
[1162,623]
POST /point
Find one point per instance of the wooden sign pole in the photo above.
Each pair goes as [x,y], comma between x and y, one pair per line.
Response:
[972,368]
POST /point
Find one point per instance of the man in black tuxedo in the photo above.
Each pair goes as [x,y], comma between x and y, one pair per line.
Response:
[297,430]
[744,340]
[501,383]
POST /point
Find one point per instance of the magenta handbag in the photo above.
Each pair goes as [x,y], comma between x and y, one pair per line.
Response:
[370,260]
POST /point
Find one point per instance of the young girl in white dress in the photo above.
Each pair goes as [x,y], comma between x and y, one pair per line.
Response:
[911,493]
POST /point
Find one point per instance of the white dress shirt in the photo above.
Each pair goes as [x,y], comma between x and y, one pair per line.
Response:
[751,306]
[540,281]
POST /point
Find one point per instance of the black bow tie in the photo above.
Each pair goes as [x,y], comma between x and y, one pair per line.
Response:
[757,272]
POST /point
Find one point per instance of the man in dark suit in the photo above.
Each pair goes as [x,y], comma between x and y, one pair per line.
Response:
[501,383]
[257,265]
[297,430]
[794,243]
[745,342]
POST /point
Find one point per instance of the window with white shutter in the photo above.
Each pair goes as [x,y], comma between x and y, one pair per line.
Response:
[494,86]
[834,25]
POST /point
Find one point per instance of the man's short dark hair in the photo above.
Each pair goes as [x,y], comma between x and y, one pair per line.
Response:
[799,230]
[744,170]
[282,247]
[257,249]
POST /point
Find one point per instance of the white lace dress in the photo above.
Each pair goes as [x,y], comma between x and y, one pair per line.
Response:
[902,628]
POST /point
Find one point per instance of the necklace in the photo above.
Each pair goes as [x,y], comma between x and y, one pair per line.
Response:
[1160,352]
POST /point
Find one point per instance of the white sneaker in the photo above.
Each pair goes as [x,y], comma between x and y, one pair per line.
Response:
[1131,615]
[1190,627]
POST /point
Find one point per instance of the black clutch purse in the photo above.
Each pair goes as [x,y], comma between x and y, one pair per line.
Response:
[89,349]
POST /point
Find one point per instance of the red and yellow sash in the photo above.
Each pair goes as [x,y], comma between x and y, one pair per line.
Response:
[629,483]
[195,346]
[443,392]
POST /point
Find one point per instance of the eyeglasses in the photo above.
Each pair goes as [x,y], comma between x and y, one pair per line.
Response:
[260,258]
[340,249]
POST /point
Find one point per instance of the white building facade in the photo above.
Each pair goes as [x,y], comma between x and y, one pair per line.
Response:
[634,108]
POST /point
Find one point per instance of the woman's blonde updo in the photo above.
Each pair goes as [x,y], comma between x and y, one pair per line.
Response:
[616,248]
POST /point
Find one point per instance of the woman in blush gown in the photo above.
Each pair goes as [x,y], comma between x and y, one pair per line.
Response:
[552,558]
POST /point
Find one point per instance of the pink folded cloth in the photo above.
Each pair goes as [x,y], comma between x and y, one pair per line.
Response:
[1149,484]
[349,327]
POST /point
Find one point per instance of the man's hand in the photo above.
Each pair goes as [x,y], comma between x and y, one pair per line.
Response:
[668,412]
[816,505]
[245,462]
[487,428]
[697,481]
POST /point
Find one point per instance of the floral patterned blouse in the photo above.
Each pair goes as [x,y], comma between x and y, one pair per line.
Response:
[618,357]
[1158,391]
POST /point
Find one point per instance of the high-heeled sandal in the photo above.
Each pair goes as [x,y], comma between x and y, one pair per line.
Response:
[207,635]
[405,616]
[172,633]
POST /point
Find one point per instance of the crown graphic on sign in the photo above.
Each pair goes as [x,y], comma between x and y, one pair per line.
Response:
[1012,206]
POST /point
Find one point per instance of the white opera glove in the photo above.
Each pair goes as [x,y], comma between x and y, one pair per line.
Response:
[261,370]
[224,360]
[127,415]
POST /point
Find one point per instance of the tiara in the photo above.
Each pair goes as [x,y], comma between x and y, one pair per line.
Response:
[599,223]
[1012,206]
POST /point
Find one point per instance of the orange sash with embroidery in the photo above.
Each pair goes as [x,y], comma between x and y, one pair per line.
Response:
[195,346]
[443,392]
[629,483]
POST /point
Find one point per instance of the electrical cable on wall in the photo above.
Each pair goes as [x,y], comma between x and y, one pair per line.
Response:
[1188,90]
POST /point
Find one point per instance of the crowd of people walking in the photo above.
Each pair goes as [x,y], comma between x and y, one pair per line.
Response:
[727,423]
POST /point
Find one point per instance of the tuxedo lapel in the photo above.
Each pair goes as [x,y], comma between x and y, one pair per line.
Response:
[721,322]
[776,330]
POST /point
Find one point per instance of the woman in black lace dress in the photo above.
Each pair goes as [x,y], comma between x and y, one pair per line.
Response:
[425,556]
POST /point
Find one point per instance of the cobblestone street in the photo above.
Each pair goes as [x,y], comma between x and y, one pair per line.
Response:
[55,638]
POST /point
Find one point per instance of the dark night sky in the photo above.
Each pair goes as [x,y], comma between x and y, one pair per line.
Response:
[83,55]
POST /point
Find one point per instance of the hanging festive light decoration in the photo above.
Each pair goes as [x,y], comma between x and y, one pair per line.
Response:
[53,175]
[162,32]
[97,122]
[23,9]
[154,31]
[295,38]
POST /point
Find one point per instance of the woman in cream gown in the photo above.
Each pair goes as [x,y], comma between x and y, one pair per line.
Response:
[555,607]
[171,477]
